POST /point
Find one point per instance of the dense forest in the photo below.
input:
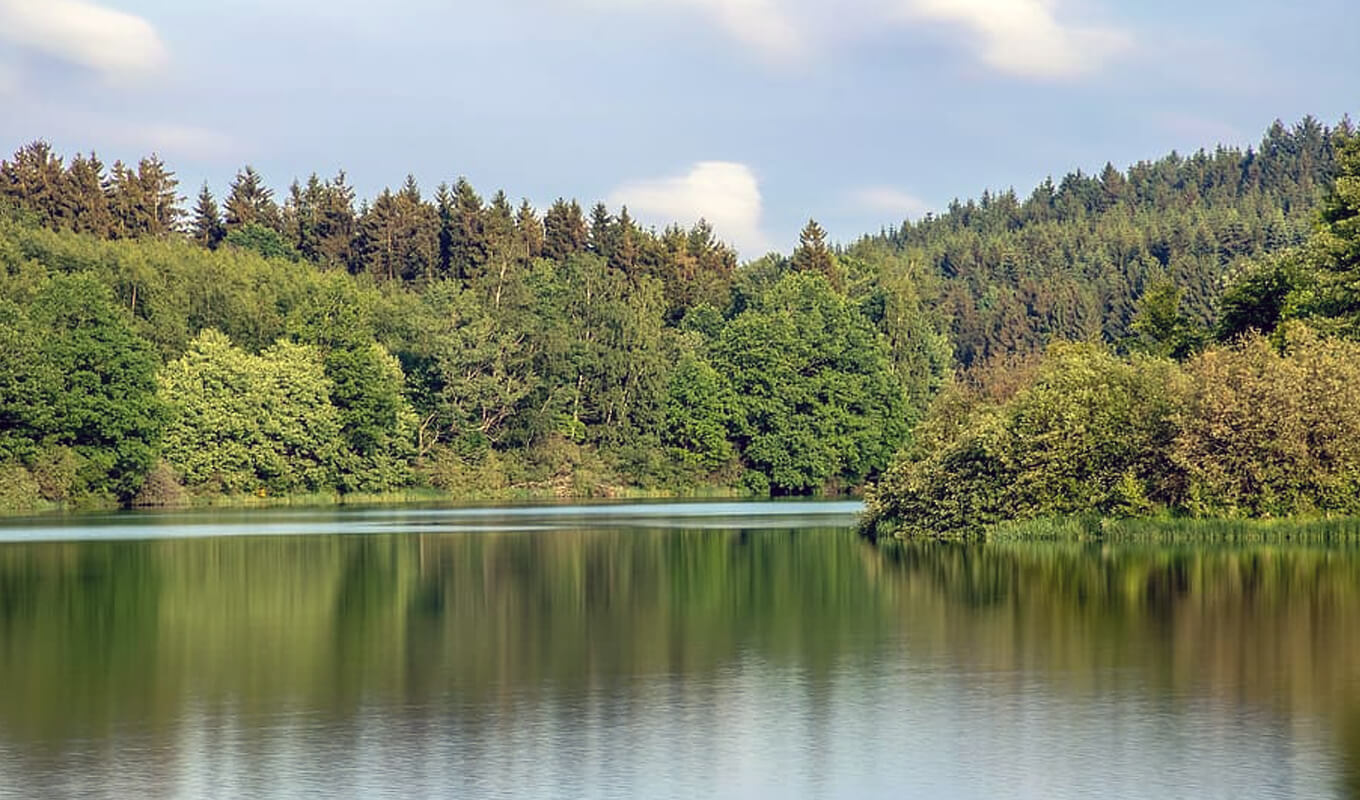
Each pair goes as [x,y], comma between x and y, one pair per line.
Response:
[157,351]
[1256,415]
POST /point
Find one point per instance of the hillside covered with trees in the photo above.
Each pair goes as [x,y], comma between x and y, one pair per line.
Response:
[156,351]
[1257,415]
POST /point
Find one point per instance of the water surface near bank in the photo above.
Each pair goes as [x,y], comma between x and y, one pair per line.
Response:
[666,650]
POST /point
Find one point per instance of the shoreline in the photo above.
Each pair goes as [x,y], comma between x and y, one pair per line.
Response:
[1152,530]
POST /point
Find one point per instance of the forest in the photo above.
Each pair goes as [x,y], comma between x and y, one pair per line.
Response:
[160,352]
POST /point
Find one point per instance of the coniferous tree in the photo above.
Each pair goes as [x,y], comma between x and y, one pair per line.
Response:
[564,230]
[34,180]
[336,224]
[126,202]
[528,232]
[814,256]
[207,228]
[249,200]
[443,203]
[87,206]
[399,236]
[602,233]
[469,249]
[161,213]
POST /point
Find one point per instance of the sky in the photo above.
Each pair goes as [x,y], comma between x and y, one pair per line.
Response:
[754,114]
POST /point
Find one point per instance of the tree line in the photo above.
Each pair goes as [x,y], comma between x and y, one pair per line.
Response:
[156,352]
[1256,415]
[318,347]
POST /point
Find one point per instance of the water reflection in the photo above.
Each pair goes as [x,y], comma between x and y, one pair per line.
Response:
[622,660]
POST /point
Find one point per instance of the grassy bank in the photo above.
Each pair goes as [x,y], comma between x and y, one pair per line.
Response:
[1162,530]
[392,498]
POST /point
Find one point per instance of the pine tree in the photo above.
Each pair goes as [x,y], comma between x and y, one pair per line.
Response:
[528,232]
[812,254]
[564,230]
[87,207]
[249,200]
[35,180]
[126,203]
[469,249]
[500,226]
[443,203]
[336,224]
[207,228]
[161,213]
[601,231]
[626,253]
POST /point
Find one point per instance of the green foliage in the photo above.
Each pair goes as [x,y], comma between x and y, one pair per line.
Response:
[1161,328]
[242,423]
[376,422]
[265,241]
[1090,434]
[1257,299]
[1070,261]
[696,416]
[1273,434]
[95,387]
[814,399]
[1243,431]
[463,340]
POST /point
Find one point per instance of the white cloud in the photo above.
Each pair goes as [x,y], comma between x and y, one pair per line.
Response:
[888,200]
[1025,37]
[116,45]
[724,193]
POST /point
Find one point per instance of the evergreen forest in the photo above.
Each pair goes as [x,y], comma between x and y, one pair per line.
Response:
[1178,336]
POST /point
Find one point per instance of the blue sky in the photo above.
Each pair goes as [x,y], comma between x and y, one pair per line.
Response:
[754,113]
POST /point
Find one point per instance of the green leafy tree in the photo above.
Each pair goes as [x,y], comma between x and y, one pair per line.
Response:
[242,423]
[1161,327]
[696,416]
[1267,433]
[101,392]
[263,240]
[814,397]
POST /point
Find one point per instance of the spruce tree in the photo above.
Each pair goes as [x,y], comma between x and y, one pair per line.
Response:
[528,232]
[336,224]
[160,213]
[813,255]
[249,200]
[34,180]
[87,207]
[469,249]
[564,230]
[207,228]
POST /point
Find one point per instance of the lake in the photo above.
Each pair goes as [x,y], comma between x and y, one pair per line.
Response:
[668,650]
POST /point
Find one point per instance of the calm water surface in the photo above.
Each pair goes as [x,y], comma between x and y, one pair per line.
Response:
[662,651]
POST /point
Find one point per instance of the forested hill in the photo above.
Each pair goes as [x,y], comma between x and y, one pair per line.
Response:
[153,349]
[1072,260]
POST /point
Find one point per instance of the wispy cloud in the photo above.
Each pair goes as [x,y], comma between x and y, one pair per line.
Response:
[726,194]
[1025,37]
[114,44]
[889,201]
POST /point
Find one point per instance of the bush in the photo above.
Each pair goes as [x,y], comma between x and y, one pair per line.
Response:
[1270,434]
[18,490]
